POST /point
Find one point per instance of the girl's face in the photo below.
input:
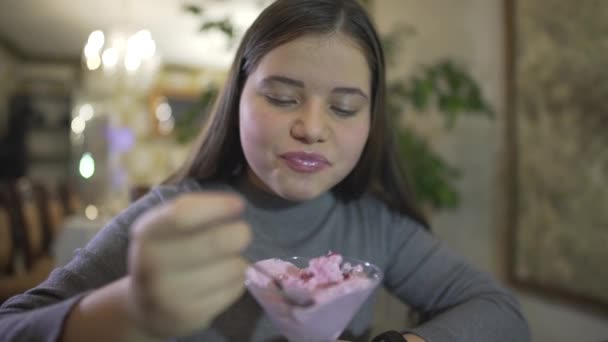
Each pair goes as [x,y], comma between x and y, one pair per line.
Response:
[305,116]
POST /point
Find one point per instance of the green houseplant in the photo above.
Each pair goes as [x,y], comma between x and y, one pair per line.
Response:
[442,86]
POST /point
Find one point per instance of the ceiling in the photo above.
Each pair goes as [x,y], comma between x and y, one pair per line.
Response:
[58,29]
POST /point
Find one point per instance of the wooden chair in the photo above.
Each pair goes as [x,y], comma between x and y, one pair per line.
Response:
[31,222]
[137,192]
[56,214]
[12,215]
[69,198]
[27,240]
[51,213]
[6,243]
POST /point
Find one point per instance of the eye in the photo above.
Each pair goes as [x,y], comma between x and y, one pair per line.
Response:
[281,102]
[343,112]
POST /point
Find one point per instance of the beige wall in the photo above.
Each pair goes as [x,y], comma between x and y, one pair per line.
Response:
[472,32]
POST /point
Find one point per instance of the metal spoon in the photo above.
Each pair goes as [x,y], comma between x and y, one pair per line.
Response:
[293,296]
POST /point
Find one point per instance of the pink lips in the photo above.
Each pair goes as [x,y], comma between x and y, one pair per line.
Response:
[307,162]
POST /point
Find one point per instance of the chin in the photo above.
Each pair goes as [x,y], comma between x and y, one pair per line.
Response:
[299,195]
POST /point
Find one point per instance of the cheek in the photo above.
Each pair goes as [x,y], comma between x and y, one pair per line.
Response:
[254,126]
[247,126]
[353,140]
[249,118]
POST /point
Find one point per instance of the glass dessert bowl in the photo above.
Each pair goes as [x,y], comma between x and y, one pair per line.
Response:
[338,287]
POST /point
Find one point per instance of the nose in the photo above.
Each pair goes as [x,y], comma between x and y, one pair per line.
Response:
[310,125]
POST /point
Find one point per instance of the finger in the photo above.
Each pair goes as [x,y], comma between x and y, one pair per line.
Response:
[204,280]
[187,212]
[213,304]
[198,248]
[195,313]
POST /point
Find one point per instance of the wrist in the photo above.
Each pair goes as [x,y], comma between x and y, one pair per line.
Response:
[413,338]
[103,315]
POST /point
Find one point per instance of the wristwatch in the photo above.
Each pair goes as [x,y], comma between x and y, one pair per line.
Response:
[390,336]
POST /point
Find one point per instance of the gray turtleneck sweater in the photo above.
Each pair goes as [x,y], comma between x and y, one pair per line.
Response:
[459,302]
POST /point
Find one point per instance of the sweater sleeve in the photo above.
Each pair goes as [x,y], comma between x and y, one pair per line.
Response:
[457,302]
[39,313]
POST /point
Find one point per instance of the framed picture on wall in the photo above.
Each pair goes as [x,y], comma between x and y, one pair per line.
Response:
[557,132]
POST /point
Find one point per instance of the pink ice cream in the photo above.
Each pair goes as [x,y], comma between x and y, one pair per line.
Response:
[338,286]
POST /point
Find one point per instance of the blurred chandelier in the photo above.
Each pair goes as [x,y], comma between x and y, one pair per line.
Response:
[120,60]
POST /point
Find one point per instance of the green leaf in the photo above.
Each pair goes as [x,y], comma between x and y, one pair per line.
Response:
[432,177]
[223,25]
[193,9]
[420,94]
[189,123]
[392,41]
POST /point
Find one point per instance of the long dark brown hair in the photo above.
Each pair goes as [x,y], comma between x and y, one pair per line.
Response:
[218,154]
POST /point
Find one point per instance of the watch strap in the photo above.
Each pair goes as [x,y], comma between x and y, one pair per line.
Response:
[390,336]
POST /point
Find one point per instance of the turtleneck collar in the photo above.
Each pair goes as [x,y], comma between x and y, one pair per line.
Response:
[282,210]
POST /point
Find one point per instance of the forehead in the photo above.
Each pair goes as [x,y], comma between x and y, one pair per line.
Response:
[318,60]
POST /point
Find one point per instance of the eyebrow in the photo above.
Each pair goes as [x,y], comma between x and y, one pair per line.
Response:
[300,84]
[283,79]
[352,91]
